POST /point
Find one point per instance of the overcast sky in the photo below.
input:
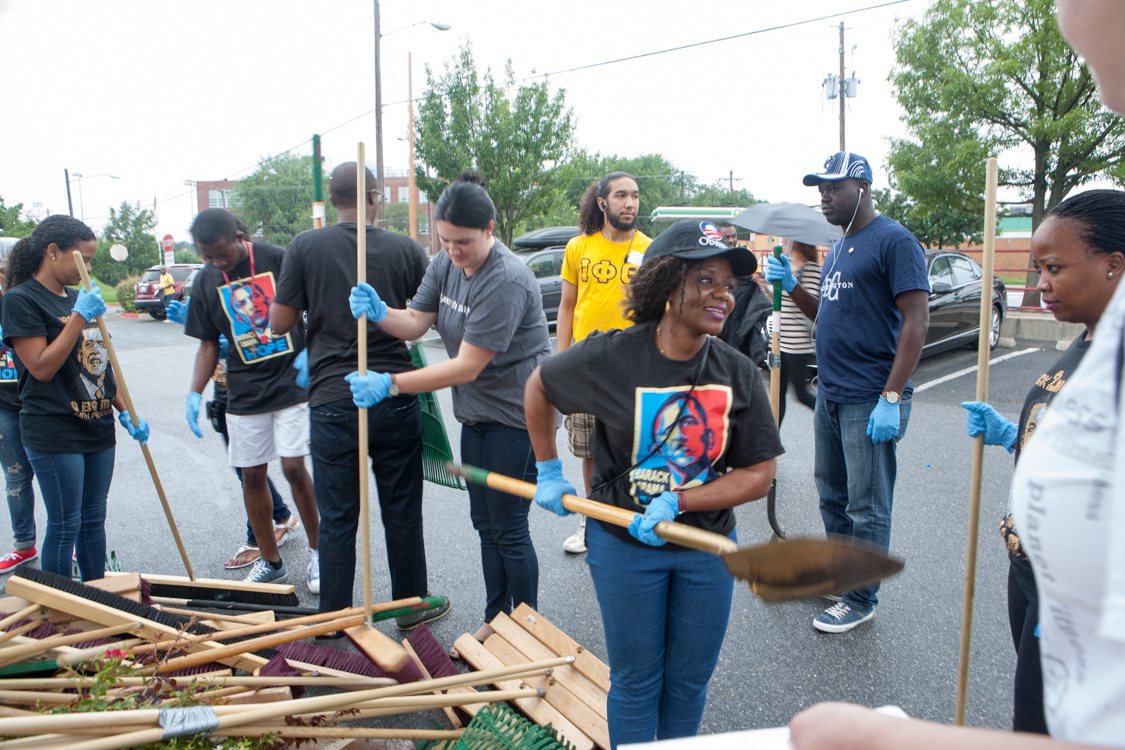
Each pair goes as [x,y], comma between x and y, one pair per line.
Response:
[157,93]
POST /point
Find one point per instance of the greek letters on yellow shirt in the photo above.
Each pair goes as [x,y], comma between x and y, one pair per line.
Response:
[600,269]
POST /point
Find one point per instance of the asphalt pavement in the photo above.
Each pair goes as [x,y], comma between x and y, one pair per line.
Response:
[773,662]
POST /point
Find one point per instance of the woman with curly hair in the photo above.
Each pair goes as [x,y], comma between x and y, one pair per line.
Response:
[683,433]
[67,389]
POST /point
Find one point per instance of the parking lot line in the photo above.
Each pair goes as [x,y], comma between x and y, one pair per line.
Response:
[968,370]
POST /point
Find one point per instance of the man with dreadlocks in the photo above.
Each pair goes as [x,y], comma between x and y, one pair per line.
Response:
[599,262]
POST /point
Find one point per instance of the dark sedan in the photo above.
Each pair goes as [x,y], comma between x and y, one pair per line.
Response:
[955,293]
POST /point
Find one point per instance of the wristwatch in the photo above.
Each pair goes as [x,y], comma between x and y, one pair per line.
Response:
[892,397]
[393,390]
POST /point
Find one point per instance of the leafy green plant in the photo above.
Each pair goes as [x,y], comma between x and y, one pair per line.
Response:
[126,293]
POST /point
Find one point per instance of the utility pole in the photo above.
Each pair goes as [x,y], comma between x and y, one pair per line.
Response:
[380,208]
[732,186]
[411,181]
[69,202]
[318,186]
[842,85]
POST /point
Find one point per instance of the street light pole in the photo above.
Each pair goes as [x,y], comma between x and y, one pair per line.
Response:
[69,202]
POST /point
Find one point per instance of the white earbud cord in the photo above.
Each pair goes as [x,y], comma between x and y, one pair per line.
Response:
[836,257]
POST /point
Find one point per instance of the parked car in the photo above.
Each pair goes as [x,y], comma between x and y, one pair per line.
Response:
[145,292]
[955,294]
[190,284]
[541,239]
[543,250]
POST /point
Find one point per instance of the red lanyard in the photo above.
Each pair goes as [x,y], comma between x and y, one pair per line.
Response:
[249,249]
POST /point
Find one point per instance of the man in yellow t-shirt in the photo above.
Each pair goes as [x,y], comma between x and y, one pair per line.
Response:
[599,262]
[167,290]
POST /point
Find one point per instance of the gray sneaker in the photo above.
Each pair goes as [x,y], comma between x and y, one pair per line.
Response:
[409,622]
[263,572]
[313,571]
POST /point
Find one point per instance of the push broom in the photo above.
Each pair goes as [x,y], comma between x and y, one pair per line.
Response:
[775,393]
[389,655]
[171,586]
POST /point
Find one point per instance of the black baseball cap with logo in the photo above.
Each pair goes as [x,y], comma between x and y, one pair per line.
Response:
[696,240]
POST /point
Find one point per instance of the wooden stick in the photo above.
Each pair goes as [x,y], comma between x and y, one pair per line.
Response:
[15,633]
[25,612]
[21,653]
[983,352]
[361,332]
[775,348]
[267,627]
[370,733]
[266,641]
[69,723]
[81,263]
[54,683]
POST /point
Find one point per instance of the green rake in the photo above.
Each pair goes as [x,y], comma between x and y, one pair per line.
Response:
[497,727]
[436,450]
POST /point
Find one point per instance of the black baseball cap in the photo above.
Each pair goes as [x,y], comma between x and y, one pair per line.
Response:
[696,240]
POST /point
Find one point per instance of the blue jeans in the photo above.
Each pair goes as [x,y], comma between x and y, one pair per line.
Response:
[507,556]
[665,616]
[855,479]
[74,486]
[17,477]
[395,449]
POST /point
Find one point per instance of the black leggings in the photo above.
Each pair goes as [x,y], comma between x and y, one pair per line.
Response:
[1023,617]
[795,370]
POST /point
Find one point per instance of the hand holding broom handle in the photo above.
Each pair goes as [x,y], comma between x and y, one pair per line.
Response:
[81,263]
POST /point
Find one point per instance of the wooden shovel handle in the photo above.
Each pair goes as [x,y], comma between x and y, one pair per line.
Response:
[669,531]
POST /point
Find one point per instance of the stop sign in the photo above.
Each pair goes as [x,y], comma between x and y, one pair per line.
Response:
[167,244]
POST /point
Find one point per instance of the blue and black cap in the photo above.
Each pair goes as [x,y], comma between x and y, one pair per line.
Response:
[842,165]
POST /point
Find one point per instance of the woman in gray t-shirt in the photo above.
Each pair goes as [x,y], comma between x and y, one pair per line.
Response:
[489,312]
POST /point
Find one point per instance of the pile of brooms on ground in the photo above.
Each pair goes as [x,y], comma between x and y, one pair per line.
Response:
[58,636]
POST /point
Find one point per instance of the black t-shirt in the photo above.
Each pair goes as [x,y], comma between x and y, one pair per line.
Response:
[637,394]
[1034,409]
[260,374]
[320,271]
[9,377]
[73,411]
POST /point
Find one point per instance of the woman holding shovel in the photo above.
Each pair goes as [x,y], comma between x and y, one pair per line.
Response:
[684,432]
[489,311]
[68,391]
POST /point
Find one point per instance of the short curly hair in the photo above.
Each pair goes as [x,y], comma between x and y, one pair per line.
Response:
[653,284]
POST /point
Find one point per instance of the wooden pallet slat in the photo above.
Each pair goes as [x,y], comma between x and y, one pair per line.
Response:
[560,643]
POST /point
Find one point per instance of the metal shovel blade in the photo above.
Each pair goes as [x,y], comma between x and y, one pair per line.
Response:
[807,568]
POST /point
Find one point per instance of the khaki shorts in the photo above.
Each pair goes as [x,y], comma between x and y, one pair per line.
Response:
[579,428]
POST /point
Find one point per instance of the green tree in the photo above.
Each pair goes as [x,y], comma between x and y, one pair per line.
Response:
[941,227]
[11,225]
[131,226]
[660,183]
[518,137]
[980,78]
[276,200]
[720,194]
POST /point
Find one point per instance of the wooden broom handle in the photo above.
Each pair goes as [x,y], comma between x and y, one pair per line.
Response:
[361,340]
[81,263]
[670,531]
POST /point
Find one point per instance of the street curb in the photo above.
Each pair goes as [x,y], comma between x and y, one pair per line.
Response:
[1032,326]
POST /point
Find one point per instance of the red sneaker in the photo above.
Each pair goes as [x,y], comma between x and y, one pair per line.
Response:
[16,558]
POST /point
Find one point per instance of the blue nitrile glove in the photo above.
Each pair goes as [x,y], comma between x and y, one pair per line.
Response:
[301,365]
[369,389]
[364,299]
[177,311]
[89,304]
[982,418]
[193,401]
[883,424]
[551,486]
[138,433]
[780,271]
[663,507]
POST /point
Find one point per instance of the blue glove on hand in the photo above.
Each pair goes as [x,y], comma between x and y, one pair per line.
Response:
[663,507]
[780,271]
[177,311]
[883,424]
[364,299]
[301,365]
[89,304]
[369,389]
[551,486]
[138,433]
[982,418]
[193,401]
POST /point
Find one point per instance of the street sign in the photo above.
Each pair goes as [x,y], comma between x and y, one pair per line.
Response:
[167,244]
[119,252]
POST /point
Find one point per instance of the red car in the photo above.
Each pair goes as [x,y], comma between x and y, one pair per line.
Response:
[145,294]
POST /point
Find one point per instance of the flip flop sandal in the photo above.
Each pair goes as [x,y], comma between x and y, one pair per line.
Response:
[233,564]
[286,529]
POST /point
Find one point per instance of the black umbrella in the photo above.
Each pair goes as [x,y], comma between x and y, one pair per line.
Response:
[790,220]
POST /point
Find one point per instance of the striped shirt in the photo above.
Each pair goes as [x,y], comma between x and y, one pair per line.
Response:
[794,331]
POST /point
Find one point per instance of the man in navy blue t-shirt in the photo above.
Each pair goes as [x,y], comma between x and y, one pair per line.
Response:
[871,323]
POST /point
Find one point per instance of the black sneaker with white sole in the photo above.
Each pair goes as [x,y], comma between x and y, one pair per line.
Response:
[409,622]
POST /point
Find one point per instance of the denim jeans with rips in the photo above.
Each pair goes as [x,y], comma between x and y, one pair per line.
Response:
[855,479]
[395,449]
[18,477]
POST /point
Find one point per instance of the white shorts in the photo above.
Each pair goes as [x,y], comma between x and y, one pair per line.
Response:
[257,439]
